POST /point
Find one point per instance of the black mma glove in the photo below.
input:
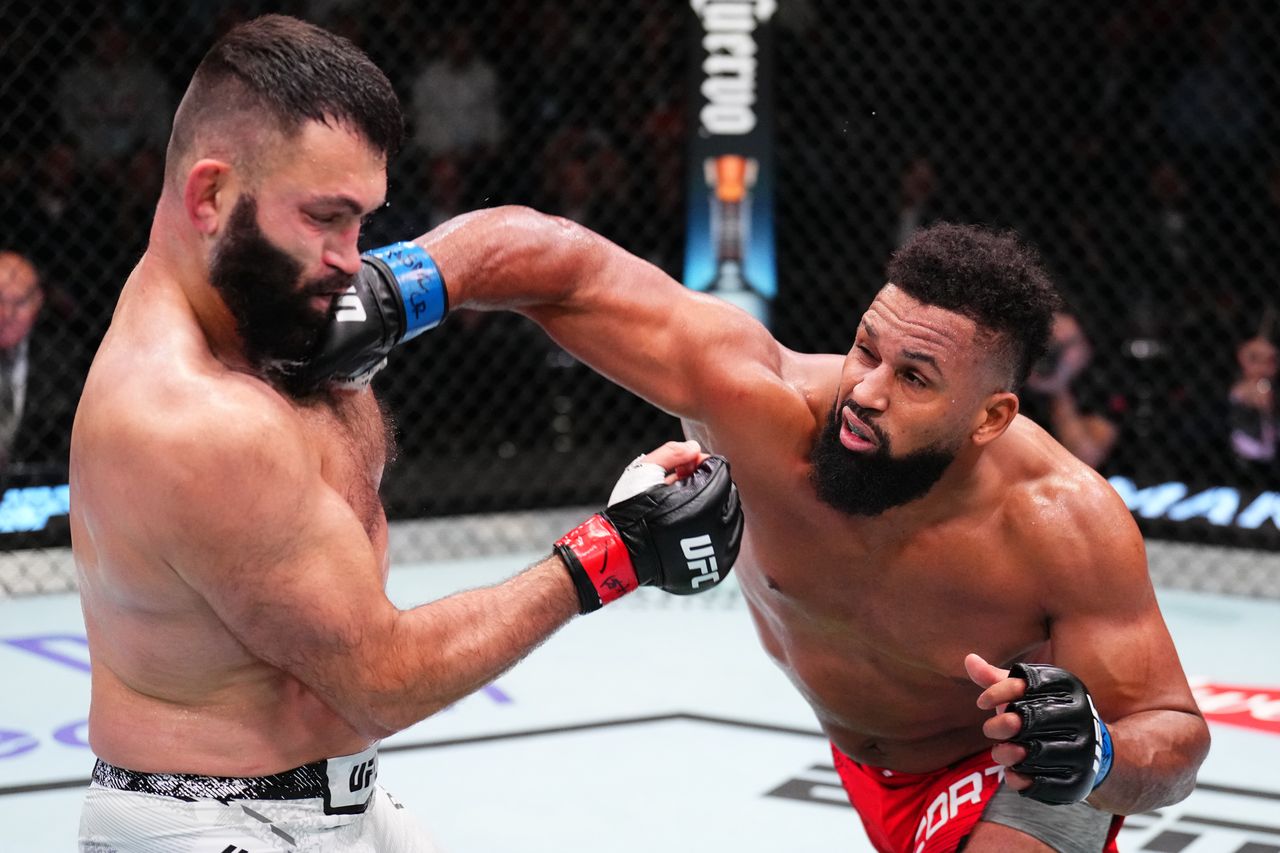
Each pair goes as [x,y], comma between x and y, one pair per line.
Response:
[682,537]
[1068,746]
[397,295]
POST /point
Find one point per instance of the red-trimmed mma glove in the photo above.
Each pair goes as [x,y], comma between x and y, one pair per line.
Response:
[1068,746]
[682,537]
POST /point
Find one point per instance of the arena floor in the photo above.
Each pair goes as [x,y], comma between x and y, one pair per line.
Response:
[657,724]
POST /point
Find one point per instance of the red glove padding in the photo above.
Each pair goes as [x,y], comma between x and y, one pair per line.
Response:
[682,537]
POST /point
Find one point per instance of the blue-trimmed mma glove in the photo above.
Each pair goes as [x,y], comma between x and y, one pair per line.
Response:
[682,537]
[397,295]
[1068,746]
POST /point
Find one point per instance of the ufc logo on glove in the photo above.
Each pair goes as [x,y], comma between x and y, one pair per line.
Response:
[701,556]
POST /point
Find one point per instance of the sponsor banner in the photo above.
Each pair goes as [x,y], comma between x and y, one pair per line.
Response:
[30,509]
[1213,514]
[729,247]
[1255,708]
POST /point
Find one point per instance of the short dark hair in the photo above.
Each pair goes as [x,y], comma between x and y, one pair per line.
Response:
[987,275]
[292,72]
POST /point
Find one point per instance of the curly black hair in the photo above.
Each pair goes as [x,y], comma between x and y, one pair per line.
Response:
[989,276]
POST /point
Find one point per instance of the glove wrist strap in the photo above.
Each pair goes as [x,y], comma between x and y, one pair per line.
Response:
[598,563]
[422,293]
[1105,752]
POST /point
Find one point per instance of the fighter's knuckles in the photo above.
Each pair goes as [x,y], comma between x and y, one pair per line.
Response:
[673,453]
[1003,692]
[1008,754]
[1002,726]
[1016,780]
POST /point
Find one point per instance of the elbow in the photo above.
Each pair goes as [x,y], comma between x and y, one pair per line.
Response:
[378,716]
[1194,750]
[376,708]
[515,258]
[532,232]
[373,714]
[549,253]
[383,704]
[378,720]
[1199,750]
[374,729]
[1159,773]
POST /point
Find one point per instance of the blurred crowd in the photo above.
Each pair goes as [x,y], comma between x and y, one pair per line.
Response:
[1131,141]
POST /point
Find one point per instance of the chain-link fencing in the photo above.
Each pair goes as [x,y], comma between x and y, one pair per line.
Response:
[1133,142]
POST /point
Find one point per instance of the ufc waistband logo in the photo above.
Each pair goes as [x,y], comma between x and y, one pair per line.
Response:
[350,308]
[701,557]
[362,775]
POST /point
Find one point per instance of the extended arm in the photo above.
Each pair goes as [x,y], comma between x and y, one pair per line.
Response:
[677,348]
[686,352]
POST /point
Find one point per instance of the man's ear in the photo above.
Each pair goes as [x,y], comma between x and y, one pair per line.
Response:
[207,196]
[997,414]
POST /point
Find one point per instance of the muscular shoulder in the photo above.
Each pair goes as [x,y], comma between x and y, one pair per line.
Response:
[776,376]
[1061,513]
[191,413]
[767,410]
[188,439]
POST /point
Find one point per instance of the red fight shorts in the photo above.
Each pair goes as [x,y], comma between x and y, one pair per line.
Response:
[925,812]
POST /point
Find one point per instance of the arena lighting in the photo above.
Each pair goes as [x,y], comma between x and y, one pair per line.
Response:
[1222,506]
[729,230]
[29,509]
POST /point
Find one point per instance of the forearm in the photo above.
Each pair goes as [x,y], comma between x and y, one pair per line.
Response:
[615,312]
[1157,755]
[511,258]
[440,652]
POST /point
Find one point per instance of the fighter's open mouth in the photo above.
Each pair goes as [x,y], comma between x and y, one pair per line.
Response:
[859,429]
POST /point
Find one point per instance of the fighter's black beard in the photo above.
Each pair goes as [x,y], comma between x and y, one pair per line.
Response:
[259,282]
[870,483]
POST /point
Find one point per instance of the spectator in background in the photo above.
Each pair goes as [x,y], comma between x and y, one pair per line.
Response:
[26,115]
[444,192]
[664,143]
[916,204]
[21,299]
[430,195]
[1263,250]
[1215,106]
[1254,424]
[114,100]
[139,185]
[453,104]
[39,382]
[584,177]
[57,214]
[1065,400]
[1152,250]
[1171,241]
[572,188]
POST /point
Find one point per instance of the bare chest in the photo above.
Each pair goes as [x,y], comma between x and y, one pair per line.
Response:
[911,598]
[353,437]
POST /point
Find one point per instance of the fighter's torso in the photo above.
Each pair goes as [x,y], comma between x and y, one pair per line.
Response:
[875,634]
[871,620]
[173,689]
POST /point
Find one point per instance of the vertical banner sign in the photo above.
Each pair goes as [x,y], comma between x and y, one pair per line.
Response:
[729,248]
